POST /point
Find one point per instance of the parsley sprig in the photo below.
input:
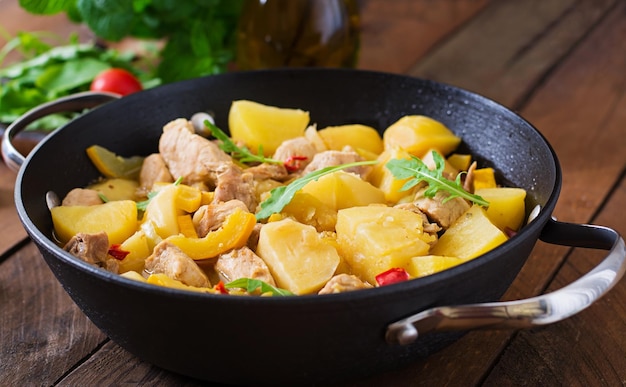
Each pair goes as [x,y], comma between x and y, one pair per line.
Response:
[281,196]
[417,171]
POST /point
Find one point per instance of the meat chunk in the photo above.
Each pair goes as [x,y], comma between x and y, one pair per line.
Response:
[429,228]
[235,184]
[343,283]
[243,263]
[268,171]
[253,239]
[188,155]
[210,217]
[82,197]
[93,249]
[153,170]
[444,214]
[333,157]
[297,152]
[174,263]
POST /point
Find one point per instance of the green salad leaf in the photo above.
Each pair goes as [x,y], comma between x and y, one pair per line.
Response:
[47,73]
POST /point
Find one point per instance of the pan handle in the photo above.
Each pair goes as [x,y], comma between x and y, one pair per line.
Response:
[541,310]
[71,103]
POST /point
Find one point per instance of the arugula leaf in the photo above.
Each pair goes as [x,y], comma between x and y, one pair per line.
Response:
[242,154]
[250,285]
[415,170]
[281,196]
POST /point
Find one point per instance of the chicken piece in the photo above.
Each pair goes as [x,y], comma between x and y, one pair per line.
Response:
[333,157]
[243,263]
[93,249]
[253,239]
[444,214]
[267,171]
[296,152]
[429,228]
[82,197]
[153,170]
[235,184]
[174,263]
[210,217]
[343,283]
[190,156]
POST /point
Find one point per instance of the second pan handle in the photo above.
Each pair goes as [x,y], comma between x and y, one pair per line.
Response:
[541,310]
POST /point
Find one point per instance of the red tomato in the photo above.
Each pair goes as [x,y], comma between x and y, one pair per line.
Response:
[117,81]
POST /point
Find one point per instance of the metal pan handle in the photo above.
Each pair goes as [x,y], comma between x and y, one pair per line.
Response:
[536,311]
[71,103]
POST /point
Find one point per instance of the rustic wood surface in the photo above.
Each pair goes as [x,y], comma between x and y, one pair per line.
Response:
[560,63]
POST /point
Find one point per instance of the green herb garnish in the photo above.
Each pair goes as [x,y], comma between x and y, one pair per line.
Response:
[281,196]
[243,154]
[415,170]
[103,197]
[250,285]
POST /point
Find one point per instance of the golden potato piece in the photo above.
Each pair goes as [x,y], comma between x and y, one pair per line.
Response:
[469,236]
[256,125]
[297,256]
[118,219]
[375,239]
[506,206]
[359,137]
[418,134]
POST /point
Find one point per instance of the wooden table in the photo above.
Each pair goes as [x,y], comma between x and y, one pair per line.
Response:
[560,63]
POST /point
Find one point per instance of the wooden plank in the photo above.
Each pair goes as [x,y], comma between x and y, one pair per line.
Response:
[10,228]
[42,332]
[396,34]
[595,98]
[531,37]
[14,19]
[112,365]
[574,351]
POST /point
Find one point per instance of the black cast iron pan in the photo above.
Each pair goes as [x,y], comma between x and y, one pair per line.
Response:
[308,339]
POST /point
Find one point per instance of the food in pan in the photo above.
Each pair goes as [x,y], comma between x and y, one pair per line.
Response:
[283,208]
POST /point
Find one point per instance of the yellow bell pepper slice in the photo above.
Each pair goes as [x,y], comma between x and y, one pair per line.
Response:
[161,279]
[233,234]
[185,224]
[484,178]
[112,165]
[188,198]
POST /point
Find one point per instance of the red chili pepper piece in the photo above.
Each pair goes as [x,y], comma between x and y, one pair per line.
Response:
[116,252]
[293,162]
[221,288]
[392,276]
